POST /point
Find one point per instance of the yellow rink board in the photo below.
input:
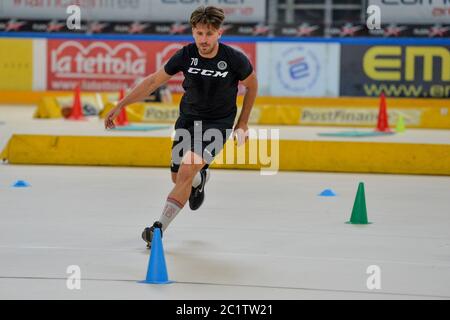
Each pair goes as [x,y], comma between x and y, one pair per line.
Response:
[344,111]
[311,115]
[294,155]
[16,67]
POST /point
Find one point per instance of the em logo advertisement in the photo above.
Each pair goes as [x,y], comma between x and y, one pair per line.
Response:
[298,70]
[398,71]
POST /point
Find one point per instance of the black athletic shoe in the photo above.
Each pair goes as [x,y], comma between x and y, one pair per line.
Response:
[147,234]
[198,194]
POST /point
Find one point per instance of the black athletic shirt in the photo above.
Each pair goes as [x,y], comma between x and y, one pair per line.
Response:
[210,85]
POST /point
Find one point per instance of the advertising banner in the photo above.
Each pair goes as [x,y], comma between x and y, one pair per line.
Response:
[16,67]
[398,71]
[304,69]
[112,65]
[96,65]
[235,10]
[139,10]
[336,116]
[127,27]
[304,30]
[413,11]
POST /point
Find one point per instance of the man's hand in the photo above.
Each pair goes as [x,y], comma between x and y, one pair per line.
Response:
[139,93]
[111,116]
[241,133]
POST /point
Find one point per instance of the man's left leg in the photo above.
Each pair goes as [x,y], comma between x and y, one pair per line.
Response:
[197,179]
[197,196]
[215,135]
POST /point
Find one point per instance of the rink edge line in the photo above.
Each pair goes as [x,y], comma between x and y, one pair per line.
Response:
[235,285]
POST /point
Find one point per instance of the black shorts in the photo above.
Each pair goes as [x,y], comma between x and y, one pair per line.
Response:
[205,138]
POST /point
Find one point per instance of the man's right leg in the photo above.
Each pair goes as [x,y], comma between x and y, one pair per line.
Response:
[174,177]
[179,196]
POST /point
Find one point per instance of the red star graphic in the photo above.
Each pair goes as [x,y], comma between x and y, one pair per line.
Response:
[349,30]
[305,30]
[54,26]
[136,27]
[14,25]
[97,27]
[438,31]
[393,31]
[260,29]
[178,28]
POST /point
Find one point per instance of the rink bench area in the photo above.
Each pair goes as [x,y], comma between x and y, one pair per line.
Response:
[61,142]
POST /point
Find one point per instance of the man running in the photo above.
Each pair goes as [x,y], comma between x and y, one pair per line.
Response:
[212,72]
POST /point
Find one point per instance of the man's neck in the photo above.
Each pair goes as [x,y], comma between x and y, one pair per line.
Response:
[212,54]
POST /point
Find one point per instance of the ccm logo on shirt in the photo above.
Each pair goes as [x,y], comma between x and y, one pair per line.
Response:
[209,73]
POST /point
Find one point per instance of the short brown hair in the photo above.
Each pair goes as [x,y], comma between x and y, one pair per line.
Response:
[210,15]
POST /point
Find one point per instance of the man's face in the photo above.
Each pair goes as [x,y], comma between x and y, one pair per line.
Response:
[206,38]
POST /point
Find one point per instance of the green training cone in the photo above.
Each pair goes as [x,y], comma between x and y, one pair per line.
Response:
[359,213]
[400,128]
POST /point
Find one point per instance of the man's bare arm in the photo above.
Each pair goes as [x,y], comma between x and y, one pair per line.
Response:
[251,84]
[241,128]
[139,93]
[145,88]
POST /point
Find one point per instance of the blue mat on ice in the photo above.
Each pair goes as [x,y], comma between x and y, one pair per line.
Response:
[352,134]
[141,128]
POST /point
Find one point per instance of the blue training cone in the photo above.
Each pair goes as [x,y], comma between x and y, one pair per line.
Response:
[21,184]
[157,271]
[327,193]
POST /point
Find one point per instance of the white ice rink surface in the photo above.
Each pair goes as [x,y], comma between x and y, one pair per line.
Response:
[256,237]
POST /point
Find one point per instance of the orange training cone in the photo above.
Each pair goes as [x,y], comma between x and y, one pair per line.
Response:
[77,110]
[122,119]
[383,125]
